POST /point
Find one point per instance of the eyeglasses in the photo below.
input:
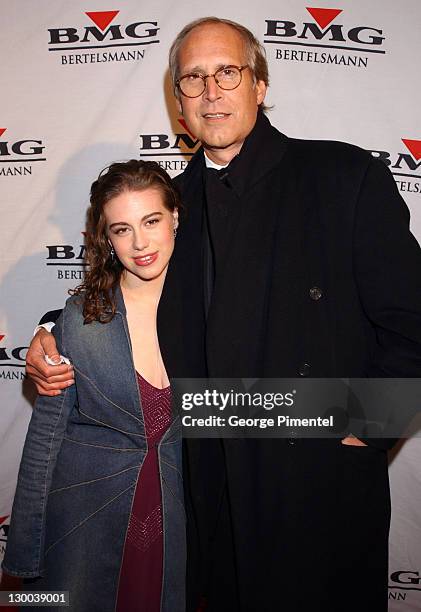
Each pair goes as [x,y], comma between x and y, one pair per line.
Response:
[192,85]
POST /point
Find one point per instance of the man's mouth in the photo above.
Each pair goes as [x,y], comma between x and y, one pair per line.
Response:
[146,260]
[216,115]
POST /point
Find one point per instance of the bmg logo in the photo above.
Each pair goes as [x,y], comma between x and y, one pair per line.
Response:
[139,32]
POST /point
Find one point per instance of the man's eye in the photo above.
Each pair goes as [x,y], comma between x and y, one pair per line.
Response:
[192,77]
[227,74]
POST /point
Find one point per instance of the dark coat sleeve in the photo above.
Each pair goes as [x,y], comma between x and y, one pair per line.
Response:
[387,266]
[50,317]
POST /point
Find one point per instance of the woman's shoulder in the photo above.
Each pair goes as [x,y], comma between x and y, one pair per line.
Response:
[74,307]
[79,338]
[73,315]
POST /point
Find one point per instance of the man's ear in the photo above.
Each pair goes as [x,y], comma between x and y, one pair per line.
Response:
[179,105]
[261,89]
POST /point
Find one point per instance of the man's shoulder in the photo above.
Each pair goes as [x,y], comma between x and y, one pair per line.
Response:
[179,181]
[308,152]
[322,152]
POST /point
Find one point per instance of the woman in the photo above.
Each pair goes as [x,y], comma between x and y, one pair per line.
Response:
[99,508]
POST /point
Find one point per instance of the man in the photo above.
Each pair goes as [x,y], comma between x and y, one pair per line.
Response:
[295,261]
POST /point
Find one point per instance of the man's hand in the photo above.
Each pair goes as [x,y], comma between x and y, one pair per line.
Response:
[352,441]
[48,379]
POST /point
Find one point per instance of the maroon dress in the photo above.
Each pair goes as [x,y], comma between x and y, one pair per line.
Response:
[141,572]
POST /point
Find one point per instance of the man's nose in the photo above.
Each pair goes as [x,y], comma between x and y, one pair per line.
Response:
[212,91]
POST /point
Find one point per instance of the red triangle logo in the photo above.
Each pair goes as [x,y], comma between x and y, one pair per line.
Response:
[182,122]
[323,16]
[3,518]
[414,147]
[102,19]
[1,337]
[2,131]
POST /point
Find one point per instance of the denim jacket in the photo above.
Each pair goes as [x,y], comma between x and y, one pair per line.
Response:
[82,456]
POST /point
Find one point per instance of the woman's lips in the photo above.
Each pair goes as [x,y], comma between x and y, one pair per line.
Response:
[145,260]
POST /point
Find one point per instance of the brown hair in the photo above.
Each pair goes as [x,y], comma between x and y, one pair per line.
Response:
[104,271]
[255,52]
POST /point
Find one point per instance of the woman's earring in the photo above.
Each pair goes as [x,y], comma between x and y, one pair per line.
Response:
[175,232]
[112,253]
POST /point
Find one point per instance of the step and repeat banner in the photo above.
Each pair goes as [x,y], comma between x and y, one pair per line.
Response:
[86,83]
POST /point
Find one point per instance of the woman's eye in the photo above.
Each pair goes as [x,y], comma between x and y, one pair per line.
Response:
[121,230]
[152,221]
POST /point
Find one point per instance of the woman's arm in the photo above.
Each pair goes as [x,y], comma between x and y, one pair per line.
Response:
[25,549]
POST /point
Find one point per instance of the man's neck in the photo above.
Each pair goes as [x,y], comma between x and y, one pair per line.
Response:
[221,157]
[211,164]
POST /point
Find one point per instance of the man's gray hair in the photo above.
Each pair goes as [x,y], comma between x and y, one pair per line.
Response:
[254,50]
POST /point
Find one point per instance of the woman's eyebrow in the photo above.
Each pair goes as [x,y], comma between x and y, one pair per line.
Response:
[158,212]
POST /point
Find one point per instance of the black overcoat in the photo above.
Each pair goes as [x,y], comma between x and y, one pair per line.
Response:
[321,278]
[305,522]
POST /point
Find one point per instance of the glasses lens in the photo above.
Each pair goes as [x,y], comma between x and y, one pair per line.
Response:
[192,85]
[229,77]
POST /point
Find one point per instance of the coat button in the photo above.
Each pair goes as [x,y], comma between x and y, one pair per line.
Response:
[315,293]
[304,369]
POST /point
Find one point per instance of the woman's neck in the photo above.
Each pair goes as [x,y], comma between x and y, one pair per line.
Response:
[137,290]
[141,301]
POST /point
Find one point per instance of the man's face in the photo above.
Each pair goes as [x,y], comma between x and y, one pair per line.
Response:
[220,119]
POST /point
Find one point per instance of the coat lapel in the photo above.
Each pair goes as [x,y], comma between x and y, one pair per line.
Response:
[267,223]
[181,321]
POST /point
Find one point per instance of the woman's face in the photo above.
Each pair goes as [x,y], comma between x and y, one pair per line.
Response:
[141,230]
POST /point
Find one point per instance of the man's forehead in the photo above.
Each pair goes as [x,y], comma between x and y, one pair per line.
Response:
[211,46]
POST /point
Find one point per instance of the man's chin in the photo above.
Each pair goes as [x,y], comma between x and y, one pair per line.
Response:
[217,142]
[214,146]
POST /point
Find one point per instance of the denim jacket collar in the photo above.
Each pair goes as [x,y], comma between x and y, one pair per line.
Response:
[119,301]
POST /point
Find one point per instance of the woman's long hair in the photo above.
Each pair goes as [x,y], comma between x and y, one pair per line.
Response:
[104,269]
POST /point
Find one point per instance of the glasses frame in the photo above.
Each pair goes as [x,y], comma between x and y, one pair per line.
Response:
[205,76]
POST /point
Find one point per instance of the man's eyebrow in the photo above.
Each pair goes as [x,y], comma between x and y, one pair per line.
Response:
[193,69]
[199,69]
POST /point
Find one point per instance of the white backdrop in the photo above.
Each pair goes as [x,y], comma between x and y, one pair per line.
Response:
[80,90]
